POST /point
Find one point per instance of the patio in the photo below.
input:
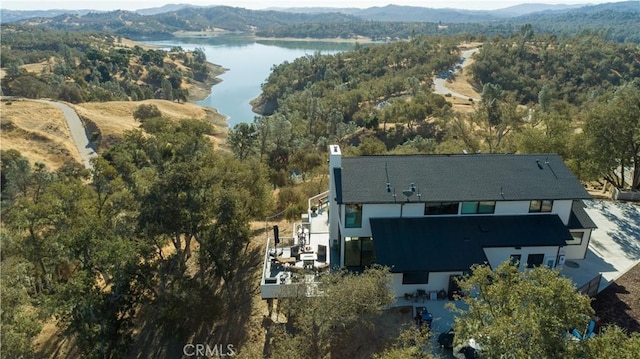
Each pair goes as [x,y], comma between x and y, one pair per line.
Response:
[614,246]
[300,258]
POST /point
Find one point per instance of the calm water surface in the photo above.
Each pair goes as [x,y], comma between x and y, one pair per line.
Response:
[249,63]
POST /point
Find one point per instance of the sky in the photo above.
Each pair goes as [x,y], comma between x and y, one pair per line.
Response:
[256,4]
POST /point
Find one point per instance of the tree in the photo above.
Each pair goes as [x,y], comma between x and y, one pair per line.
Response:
[497,118]
[20,322]
[146,111]
[70,93]
[243,140]
[611,342]
[371,146]
[520,314]
[337,322]
[612,136]
[412,343]
[226,241]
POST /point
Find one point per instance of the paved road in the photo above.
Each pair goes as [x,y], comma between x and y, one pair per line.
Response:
[440,85]
[78,134]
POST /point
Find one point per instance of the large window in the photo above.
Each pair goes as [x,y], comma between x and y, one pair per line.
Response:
[415,278]
[535,260]
[437,208]
[577,238]
[358,251]
[353,216]
[540,205]
[478,207]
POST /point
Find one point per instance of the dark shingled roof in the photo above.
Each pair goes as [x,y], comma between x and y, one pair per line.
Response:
[444,244]
[477,177]
[579,219]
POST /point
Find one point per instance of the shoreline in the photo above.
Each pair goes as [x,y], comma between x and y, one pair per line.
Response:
[215,33]
[201,90]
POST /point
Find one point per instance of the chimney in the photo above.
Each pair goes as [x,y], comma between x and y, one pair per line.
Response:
[335,161]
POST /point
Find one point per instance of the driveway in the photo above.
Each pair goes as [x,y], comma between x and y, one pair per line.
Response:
[440,84]
[615,245]
[78,132]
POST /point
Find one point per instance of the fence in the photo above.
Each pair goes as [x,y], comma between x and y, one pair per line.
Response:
[591,287]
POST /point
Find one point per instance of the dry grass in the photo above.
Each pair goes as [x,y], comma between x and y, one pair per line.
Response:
[113,118]
[38,131]
[462,85]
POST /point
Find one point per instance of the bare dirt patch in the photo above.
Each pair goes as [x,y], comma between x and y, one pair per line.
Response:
[38,131]
[619,303]
[462,105]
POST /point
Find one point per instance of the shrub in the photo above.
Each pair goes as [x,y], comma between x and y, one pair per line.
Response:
[145,112]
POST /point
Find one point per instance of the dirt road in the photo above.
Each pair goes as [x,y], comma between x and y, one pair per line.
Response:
[78,133]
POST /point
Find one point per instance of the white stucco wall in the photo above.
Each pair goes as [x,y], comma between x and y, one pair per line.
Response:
[499,255]
[391,210]
[437,281]
[563,209]
[578,251]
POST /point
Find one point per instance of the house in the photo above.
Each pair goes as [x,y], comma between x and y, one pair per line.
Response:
[430,217]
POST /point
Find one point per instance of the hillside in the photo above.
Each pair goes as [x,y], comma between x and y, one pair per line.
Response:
[40,133]
[92,66]
[621,20]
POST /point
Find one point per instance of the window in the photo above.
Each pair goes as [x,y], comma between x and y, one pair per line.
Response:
[481,207]
[358,251]
[537,206]
[353,216]
[535,260]
[514,259]
[486,207]
[415,278]
[438,208]
[576,238]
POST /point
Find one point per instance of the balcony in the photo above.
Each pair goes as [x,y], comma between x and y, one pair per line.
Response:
[296,263]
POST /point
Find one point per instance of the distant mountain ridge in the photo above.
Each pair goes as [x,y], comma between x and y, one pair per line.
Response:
[621,19]
[7,16]
[387,13]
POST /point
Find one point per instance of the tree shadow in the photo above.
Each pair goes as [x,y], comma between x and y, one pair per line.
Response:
[627,233]
[205,317]
[58,345]
[612,308]
[625,225]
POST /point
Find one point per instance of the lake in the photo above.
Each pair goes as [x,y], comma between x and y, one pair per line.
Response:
[249,62]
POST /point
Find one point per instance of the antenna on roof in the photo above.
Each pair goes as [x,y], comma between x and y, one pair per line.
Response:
[388,187]
[551,169]
[501,192]
[386,171]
